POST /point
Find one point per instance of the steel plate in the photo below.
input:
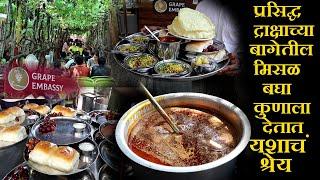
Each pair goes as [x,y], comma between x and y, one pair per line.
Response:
[64,133]
[84,163]
[193,76]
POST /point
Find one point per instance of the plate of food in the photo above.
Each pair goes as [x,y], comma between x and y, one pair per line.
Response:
[51,159]
[140,62]
[172,68]
[129,48]
[61,130]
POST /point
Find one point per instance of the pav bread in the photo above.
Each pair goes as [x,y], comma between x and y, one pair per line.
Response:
[16,111]
[30,106]
[61,158]
[192,24]
[14,133]
[198,46]
[64,159]
[42,109]
[42,152]
[65,111]
[6,117]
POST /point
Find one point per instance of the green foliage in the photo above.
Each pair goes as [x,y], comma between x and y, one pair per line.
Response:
[79,15]
[3,6]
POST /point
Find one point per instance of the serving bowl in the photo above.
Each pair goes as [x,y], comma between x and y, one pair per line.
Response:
[138,38]
[135,57]
[203,65]
[123,49]
[187,70]
[222,168]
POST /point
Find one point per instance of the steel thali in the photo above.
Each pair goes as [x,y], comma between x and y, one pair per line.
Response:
[120,59]
[65,133]
[85,161]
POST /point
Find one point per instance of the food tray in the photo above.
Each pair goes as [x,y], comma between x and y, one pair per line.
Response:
[120,60]
[84,163]
[64,133]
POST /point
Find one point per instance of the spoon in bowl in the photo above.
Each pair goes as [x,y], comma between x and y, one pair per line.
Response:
[160,109]
[152,33]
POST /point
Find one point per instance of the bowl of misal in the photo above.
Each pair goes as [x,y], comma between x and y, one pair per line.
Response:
[142,62]
[219,129]
[172,68]
[138,38]
[130,48]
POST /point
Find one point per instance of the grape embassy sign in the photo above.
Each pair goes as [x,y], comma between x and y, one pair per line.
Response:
[168,6]
[21,82]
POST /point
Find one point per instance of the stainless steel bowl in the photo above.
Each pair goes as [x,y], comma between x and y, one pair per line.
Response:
[222,168]
[187,68]
[203,68]
[87,101]
[131,39]
[141,48]
[168,50]
[140,69]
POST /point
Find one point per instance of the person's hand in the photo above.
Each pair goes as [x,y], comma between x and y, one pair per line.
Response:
[233,68]
[152,28]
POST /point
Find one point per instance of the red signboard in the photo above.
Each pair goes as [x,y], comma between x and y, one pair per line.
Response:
[20,82]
